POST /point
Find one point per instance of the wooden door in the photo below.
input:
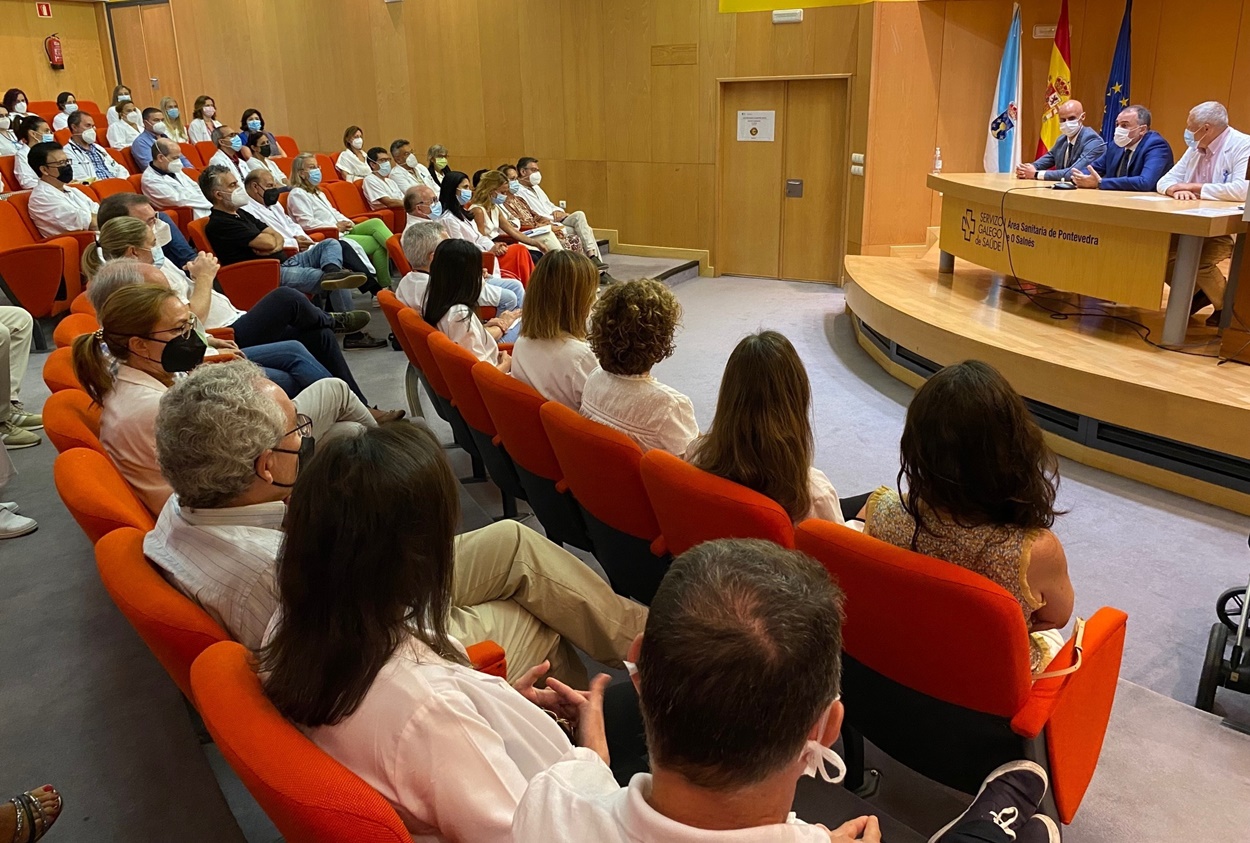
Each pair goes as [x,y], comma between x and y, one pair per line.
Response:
[761,231]
[132,59]
[748,226]
[162,54]
[812,244]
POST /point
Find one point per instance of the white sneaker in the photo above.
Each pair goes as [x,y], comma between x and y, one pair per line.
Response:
[11,506]
[13,525]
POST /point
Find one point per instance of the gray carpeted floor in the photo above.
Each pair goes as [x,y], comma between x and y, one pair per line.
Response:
[88,708]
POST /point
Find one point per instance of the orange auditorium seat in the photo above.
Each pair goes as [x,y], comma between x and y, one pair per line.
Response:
[693,506]
[81,304]
[349,199]
[61,136]
[247,282]
[192,154]
[95,493]
[514,408]
[72,420]
[199,239]
[72,326]
[395,250]
[175,629]
[391,307]
[43,276]
[603,469]
[44,108]
[7,163]
[206,149]
[956,713]
[289,146]
[104,188]
[58,371]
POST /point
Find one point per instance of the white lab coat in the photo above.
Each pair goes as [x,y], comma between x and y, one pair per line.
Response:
[1229,173]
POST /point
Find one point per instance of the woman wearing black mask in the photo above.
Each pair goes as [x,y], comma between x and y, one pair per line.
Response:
[262,153]
[150,336]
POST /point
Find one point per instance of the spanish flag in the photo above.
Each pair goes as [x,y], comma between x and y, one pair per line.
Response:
[1058,83]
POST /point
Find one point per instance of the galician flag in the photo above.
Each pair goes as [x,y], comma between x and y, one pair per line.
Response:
[1058,82]
[1002,143]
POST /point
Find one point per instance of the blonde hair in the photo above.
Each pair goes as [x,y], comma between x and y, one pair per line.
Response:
[491,181]
[174,123]
[129,312]
[559,296]
[116,236]
[300,165]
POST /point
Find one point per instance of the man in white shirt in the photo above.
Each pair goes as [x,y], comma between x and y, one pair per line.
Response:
[55,207]
[380,191]
[218,537]
[419,242]
[1213,167]
[739,676]
[264,193]
[408,171]
[231,153]
[167,186]
[419,204]
[91,161]
[531,176]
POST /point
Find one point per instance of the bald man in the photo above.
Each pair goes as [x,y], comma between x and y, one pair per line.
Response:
[1078,147]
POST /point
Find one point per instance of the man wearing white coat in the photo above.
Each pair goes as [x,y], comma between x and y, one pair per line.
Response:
[167,186]
[1213,167]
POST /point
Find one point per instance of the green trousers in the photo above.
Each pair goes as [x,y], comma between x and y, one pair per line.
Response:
[372,236]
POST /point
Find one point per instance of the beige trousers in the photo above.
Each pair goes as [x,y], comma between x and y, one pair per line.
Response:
[537,601]
[16,335]
[1215,250]
[577,222]
[334,409]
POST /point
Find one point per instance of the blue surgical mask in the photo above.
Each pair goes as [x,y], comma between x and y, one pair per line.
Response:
[499,200]
[1190,140]
[235,143]
[464,196]
[436,209]
[172,113]
[47,137]
[70,107]
[254,124]
[158,256]
[514,187]
[384,169]
[314,177]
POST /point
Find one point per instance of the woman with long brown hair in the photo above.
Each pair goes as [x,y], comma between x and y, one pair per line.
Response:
[761,436]
[981,485]
[552,354]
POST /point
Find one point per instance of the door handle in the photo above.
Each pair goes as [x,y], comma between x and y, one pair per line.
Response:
[154,82]
[794,188]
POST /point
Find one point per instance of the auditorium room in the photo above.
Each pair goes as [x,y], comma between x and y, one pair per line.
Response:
[616,421]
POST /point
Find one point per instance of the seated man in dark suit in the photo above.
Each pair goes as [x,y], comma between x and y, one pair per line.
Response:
[1077,148]
[1136,161]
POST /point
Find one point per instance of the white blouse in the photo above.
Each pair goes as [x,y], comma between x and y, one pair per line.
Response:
[312,210]
[8,143]
[651,413]
[111,115]
[26,177]
[450,748]
[825,504]
[60,121]
[351,167]
[121,134]
[201,130]
[556,368]
[458,229]
[462,327]
[258,163]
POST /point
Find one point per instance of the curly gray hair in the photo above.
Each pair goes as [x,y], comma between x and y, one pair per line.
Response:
[211,427]
[420,239]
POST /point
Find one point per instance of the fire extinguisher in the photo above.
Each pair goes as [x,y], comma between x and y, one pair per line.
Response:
[52,46]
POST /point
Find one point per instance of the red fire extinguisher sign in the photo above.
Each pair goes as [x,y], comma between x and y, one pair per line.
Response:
[44,9]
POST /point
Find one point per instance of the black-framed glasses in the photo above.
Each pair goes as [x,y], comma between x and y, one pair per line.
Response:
[303,426]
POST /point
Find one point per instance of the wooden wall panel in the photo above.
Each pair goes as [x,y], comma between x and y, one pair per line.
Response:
[582,72]
[26,66]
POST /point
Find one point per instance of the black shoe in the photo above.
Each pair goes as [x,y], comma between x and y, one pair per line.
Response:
[1040,829]
[1200,301]
[605,279]
[1213,321]
[351,322]
[394,341]
[1005,804]
[598,262]
[343,279]
[362,340]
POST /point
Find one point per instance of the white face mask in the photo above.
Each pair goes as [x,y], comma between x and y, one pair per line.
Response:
[88,137]
[175,167]
[5,122]
[239,197]
[209,111]
[162,232]
[816,756]
[536,179]
[20,108]
[70,107]
[1122,138]
[158,128]
[1070,128]
[411,161]
[135,119]
[357,143]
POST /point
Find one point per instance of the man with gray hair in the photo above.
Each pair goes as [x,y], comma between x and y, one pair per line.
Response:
[1137,159]
[419,242]
[1213,167]
[419,204]
[167,186]
[231,153]
[229,443]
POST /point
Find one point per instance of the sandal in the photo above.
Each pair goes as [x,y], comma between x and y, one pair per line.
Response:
[32,816]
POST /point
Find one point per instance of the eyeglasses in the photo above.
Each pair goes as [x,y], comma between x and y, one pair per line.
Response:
[303,426]
[182,331]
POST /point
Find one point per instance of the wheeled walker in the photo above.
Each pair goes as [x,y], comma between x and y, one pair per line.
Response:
[1232,672]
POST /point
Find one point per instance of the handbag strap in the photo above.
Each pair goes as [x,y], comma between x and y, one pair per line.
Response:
[1078,633]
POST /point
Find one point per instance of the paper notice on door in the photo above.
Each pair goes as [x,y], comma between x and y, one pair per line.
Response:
[756,125]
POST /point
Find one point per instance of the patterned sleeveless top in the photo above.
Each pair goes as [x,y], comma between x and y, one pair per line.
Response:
[998,553]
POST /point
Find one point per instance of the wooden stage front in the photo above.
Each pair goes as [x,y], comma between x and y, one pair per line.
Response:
[1105,397]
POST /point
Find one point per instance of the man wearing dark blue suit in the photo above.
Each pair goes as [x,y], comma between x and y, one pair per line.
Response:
[1136,161]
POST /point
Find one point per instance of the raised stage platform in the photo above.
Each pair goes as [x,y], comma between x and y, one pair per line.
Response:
[1105,397]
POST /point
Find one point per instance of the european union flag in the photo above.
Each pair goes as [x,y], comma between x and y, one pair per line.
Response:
[1117,85]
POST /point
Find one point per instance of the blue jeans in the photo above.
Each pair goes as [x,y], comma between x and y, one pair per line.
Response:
[511,293]
[177,249]
[303,271]
[288,364]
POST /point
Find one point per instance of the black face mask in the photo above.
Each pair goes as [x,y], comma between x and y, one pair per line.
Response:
[307,446]
[271,195]
[65,174]
[182,354]
[264,150]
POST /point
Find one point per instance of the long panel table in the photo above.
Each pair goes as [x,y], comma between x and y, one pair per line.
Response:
[1111,245]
